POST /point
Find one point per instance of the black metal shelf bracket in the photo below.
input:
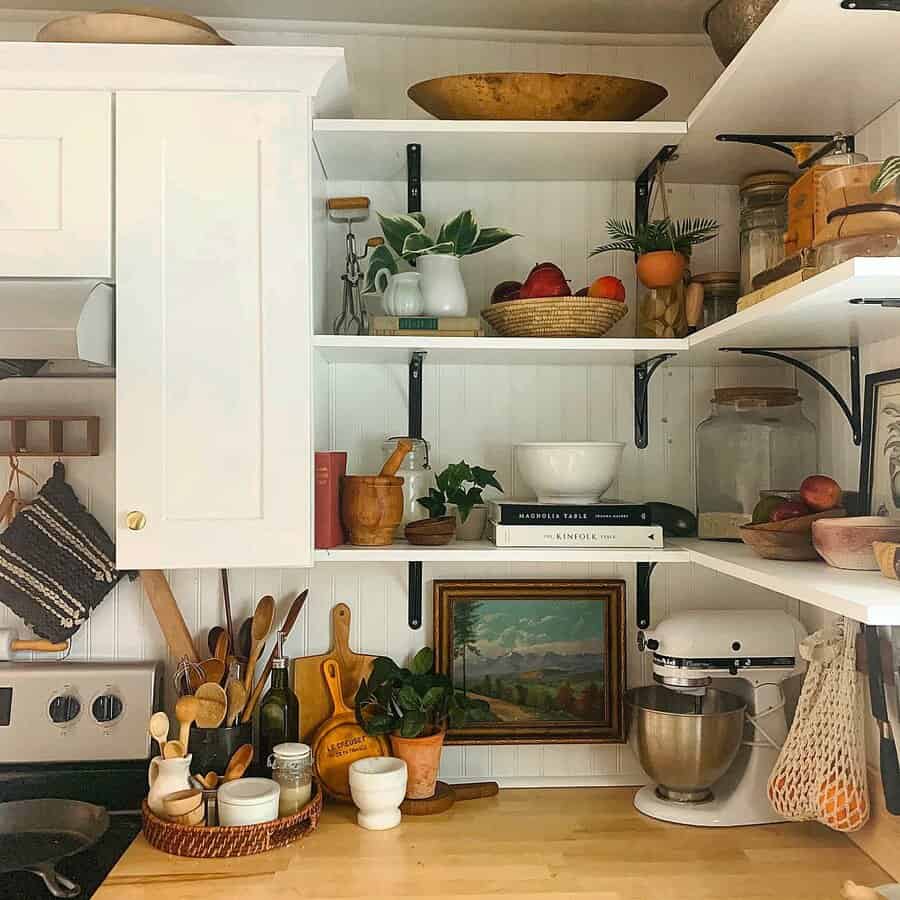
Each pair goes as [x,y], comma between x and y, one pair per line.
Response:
[644,571]
[414,429]
[643,185]
[643,372]
[886,302]
[871,5]
[841,143]
[852,412]
[414,178]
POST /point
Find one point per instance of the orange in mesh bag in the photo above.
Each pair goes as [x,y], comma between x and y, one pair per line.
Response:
[821,770]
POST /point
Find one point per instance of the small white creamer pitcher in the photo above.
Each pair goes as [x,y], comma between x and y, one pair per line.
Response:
[401,293]
[167,776]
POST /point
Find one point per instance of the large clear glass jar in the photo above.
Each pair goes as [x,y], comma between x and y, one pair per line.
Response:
[291,766]
[417,475]
[755,439]
[661,312]
[763,223]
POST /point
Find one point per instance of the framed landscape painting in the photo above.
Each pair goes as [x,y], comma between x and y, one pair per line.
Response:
[547,656]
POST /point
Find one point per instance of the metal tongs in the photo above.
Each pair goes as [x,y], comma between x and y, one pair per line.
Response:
[353,319]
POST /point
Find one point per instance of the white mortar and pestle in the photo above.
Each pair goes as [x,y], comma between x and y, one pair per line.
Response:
[10,644]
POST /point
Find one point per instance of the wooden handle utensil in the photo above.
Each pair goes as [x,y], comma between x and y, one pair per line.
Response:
[212,705]
[262,623]
[393,462]
[286,627]
[348,203]
[167,613]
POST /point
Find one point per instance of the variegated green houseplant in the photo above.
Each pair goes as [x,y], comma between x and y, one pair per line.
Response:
[887,174]
[406,239]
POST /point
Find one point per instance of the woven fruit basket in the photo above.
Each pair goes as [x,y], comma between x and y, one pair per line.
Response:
[560,317]
[220,842]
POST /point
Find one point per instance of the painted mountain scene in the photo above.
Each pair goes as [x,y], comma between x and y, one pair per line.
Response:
[533,661]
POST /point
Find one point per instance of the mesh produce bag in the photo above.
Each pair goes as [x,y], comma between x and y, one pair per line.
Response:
[821,770]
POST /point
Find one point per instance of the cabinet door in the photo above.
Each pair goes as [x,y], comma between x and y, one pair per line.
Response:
[55,184]
[213,442]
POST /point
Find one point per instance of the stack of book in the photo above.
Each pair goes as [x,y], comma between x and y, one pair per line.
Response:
[427,326]
[528,523]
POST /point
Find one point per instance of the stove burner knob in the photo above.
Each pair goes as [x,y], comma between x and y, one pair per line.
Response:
[652,644]
[106,708]
[64,708]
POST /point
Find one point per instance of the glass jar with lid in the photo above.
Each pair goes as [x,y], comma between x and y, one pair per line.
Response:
[291,766]
[720,295]
[417,475]
[763,223]
[755,439]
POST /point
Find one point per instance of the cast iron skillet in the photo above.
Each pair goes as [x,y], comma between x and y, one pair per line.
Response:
[36,834]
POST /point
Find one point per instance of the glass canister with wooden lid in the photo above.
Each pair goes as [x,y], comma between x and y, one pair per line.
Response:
[763,223]
[755,439]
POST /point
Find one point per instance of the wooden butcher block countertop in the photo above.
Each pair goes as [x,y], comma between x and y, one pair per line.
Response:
[563,843]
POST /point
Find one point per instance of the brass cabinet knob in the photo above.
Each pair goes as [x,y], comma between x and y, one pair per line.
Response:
[135,520]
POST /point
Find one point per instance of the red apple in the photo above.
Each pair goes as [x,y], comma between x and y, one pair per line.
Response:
[790,509]
[545,280]
[819,492]
[607,287]
[506,290]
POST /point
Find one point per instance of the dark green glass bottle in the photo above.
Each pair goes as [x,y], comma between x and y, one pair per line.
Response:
[279,712]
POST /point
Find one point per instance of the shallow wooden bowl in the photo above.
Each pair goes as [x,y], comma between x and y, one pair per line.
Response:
[124,27]
[431,532]
[785,545]
[538,96]
[847,544]
[799,524]
[888,558]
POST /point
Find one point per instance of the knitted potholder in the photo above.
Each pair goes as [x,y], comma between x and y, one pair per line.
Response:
[56,561]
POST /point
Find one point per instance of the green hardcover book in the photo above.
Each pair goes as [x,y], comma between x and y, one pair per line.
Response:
[425,323]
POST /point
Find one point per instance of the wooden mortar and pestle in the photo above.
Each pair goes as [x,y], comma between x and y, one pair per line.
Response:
[372,505]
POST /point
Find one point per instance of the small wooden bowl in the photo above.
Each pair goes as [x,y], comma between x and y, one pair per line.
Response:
[847,544]
[182,802]
[431,532]
[888,558]
[194,817]
[800,524]
[790,546]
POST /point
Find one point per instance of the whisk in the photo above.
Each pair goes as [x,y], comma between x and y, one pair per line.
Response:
[353,318]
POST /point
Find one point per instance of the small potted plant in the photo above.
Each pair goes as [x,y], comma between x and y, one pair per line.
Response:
[459,490]
[413,706]
[435,258]
[663,247]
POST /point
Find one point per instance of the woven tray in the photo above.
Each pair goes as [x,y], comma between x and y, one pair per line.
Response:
[219,843]
[564,317]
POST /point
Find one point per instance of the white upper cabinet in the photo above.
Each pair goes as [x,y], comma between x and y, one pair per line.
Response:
[56,184]
[214,444]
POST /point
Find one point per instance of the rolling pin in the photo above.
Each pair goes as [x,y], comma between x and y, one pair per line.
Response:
[171,622]
[10,643]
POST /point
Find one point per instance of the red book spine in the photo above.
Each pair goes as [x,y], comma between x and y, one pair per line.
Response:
[330,465]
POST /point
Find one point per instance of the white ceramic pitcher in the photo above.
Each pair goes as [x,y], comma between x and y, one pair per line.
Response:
[442,285]
[167,776]
[401,293]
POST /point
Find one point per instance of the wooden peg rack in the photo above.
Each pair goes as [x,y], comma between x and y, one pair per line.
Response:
[18,436]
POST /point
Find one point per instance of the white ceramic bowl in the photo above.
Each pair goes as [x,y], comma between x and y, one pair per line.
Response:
[571,471]
[378,786]
[248,801]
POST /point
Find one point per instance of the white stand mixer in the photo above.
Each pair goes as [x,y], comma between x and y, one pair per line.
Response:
[748,653]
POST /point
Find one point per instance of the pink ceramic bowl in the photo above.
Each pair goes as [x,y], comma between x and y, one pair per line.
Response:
[847,543]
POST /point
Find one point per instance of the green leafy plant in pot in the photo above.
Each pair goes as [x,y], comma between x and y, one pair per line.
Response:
[413,706]
[462,486]
[436,259]
[663,247]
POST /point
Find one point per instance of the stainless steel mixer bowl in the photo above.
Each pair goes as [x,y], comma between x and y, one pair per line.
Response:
[685,743]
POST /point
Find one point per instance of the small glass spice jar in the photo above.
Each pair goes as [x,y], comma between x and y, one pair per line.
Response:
[291,766]
[720,295]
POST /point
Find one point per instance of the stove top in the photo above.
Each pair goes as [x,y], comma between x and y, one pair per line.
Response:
[87,869]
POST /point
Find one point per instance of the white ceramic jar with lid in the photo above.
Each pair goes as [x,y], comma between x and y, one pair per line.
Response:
[248,801]
[291,765]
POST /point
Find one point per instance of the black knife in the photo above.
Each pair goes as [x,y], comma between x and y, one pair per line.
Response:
[890,769]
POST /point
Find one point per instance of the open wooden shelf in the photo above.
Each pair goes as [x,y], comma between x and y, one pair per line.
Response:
[375,149]
[20,444]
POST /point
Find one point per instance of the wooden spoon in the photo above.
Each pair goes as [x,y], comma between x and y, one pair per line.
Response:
[242,651]
[186,711]
[237,697]
[173,750]
[159,730]
[262,623]
[213,670]
[211,705]
[239,762]
[223,645]
[212,638]
[210,780]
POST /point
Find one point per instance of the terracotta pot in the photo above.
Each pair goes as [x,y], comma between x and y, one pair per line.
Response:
[371,508]
[422,756]
[662,268]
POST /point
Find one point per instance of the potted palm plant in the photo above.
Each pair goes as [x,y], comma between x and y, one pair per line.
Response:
[413,706]
[663,247]
[435,258]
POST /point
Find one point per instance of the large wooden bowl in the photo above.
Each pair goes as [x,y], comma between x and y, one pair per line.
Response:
[789,540]
[538,96]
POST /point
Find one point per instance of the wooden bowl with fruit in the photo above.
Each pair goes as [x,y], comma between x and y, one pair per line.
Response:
[782,527]
[544,306]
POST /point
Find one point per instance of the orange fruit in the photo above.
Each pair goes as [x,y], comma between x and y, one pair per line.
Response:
[607,287]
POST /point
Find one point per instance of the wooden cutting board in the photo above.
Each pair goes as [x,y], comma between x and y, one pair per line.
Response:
[309,682]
